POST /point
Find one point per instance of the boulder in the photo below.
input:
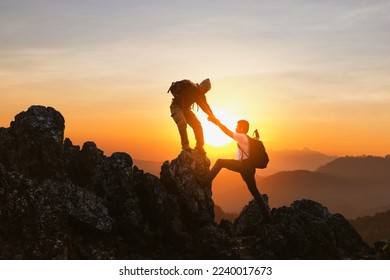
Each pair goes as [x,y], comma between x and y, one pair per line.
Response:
[305,230]
[33,145]
[182,177]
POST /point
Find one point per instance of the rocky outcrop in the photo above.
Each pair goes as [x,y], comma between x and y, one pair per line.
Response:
[33,145]
[60,201]
[305,230]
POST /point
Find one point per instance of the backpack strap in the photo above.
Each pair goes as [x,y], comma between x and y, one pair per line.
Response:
[242,150]
[238,145]
[255,135]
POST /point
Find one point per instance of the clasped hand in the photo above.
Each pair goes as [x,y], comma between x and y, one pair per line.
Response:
[214,120]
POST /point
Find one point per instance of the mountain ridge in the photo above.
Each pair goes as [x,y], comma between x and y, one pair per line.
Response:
[373,228]
[61,201]
[374,168]
[351,196]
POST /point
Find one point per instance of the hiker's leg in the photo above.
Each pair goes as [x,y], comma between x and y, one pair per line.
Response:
[249,177]
[196,126]
[180,120]
[230,164]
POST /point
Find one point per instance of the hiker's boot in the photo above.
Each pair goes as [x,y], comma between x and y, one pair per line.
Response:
[186,148]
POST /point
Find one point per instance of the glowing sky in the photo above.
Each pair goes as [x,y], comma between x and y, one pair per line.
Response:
[306,73]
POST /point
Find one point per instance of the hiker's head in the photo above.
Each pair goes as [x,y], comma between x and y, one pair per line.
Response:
[242,126]
[205,86]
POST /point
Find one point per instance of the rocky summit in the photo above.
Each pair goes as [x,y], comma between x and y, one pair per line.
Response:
[61,201]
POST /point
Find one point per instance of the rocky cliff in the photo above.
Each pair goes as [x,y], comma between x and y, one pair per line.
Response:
[60,201]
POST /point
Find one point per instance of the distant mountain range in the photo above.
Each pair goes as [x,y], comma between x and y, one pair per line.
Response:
[286,160]
[364,167]
[353,186]
[373,228]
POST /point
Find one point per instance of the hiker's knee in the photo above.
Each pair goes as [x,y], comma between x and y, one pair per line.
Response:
[222,163]
[180,121]
[181,124]
[179,118]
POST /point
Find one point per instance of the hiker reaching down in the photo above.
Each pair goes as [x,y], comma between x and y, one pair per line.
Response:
[242,164]
[186,93]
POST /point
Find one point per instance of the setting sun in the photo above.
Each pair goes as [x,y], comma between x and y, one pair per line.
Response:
[212,134]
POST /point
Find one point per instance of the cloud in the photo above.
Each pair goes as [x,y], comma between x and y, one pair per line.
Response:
[171,38]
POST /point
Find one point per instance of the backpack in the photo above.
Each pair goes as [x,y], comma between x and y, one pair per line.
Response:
[178,87]
[258,156]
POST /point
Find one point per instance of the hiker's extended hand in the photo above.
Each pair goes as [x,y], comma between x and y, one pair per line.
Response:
[213,119]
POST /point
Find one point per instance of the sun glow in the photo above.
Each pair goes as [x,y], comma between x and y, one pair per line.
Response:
[212,134]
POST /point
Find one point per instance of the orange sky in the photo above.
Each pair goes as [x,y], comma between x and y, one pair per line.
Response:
[140,123]
[305,75]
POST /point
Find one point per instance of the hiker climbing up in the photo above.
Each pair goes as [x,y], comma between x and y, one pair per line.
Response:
[185,95]
[250,155]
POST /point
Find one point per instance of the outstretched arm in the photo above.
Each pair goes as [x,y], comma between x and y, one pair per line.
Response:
[224,129]
[202,102]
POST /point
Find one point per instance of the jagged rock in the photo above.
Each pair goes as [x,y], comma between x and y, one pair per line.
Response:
[227,226]
[27,233]
[160,209]
[82,165]
[305,230]
[81,205]
[6,147]
[37,218]
[58,201]
[249,219]
[182,177]
[113,181]
[33,145]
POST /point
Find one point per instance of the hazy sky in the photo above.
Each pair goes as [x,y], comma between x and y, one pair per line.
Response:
[306,73]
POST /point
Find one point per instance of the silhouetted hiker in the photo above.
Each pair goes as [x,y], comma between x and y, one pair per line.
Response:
[186,93]
[241,165]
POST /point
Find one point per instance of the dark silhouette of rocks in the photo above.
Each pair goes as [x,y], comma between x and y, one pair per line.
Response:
[305,230]
[33,145]
[60,201]
[383,249]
